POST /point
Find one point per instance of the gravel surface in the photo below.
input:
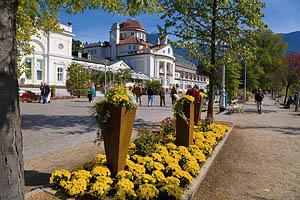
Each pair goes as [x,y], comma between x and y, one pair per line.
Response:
[48,128]
[261,158]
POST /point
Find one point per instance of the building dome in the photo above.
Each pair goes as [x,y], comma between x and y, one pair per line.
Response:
[131,24]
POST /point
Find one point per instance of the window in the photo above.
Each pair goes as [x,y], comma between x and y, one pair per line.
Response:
[60,74]
[39,70]
[125,34]
[28,66]
[121,35]
[138,34]
[164,51]
[134,47]
[132,33]
[129,47]
[169,50]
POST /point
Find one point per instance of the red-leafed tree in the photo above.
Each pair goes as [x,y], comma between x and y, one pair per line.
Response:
[292,64]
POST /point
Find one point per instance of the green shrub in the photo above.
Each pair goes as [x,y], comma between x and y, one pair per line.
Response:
[156,86]
[146,142]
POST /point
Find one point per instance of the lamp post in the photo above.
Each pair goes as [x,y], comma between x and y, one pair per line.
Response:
[245,81]
[223,91]
[105,77]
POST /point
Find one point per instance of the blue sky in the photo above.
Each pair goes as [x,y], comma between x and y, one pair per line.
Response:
[282,16]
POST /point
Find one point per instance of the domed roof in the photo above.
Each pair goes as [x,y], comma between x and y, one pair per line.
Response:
[131,24]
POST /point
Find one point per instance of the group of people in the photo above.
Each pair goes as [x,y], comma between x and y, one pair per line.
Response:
[45,93]
[290,101]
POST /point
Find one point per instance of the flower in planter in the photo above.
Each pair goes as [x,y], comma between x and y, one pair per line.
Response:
[171,180]
[100,159]
[168,191]
[58,176]
[124,174]
[158,175]
[179,105]
[147,191]
[100,171]
[124,189]
[100,188]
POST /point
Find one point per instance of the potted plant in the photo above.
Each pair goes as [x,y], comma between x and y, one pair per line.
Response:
[115,116]
[184,113]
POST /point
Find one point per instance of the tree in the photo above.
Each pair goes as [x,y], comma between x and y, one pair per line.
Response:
[78,79]
[156,86]
[42,17]
[11,153]
[77,46]
[210,30]
[292,64]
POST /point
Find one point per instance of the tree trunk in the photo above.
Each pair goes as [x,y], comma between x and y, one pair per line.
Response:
[11,155]
[210,109]
[297,99]
[286,93]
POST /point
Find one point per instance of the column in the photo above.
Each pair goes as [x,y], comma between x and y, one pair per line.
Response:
[165,70]
[157,69]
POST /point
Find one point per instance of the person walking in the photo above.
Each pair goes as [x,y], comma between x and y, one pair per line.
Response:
[162,95]
[138,94]
[46,93]
[150,96]
[173,94]
[93,92]
[42,92]
[259,97]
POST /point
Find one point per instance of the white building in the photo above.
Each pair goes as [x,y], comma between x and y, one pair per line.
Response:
[49,61]
[127,42]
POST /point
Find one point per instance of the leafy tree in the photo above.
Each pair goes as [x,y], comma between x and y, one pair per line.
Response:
[11,153]
[124,75]
[77,46]
[156,86]
[78,79]
[42,17]
[292,64]
[211,29]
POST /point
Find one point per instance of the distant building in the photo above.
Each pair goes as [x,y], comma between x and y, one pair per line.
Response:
[127,42]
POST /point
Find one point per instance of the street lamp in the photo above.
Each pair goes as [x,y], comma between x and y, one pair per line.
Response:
[105,77]
[223,91]
[245,81]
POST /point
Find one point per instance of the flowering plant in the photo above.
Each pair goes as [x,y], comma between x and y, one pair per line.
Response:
[116,97]
[178,106]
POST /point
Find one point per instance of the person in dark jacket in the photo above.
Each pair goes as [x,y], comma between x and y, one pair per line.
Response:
[162,95]
[259,97]
[150,96]
[46,92]
[173,94]
[42,92]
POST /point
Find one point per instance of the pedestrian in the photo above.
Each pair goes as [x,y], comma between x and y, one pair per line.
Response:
[42,92]
[162,95]
[193,92]
[92,92]
[289,102]
[47,93]
[150,96]
[138,91]
[173,95]
[259,97]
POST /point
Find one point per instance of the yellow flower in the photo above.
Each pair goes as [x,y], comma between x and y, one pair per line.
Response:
[100,159]
[202,94]
[189,98]
[58,176]
[158,175]
[146,178]
[76,187]
[156,157]
[81,174]
[183,176]
[124,183]
[147,191]
[100,171]
[99,189]
[155,166]
[171,180]
[171,146]
[124,174]
[172,191]
[191,167]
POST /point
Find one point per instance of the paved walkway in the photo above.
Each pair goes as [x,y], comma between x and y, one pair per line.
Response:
[49,128]
[261,158]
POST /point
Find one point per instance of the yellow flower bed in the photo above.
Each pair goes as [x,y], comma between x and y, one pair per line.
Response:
[162,175]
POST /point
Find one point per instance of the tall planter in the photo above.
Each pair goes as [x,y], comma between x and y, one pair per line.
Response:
[116,137]
[184,130]
[198,110]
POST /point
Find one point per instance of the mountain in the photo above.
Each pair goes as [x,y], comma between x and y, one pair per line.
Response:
[293,40]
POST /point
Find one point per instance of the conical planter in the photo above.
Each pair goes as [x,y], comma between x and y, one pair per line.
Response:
[117,137]
[184,130]
[198,110]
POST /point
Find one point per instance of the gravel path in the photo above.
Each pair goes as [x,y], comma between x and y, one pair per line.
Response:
[261,158]
[49,128]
